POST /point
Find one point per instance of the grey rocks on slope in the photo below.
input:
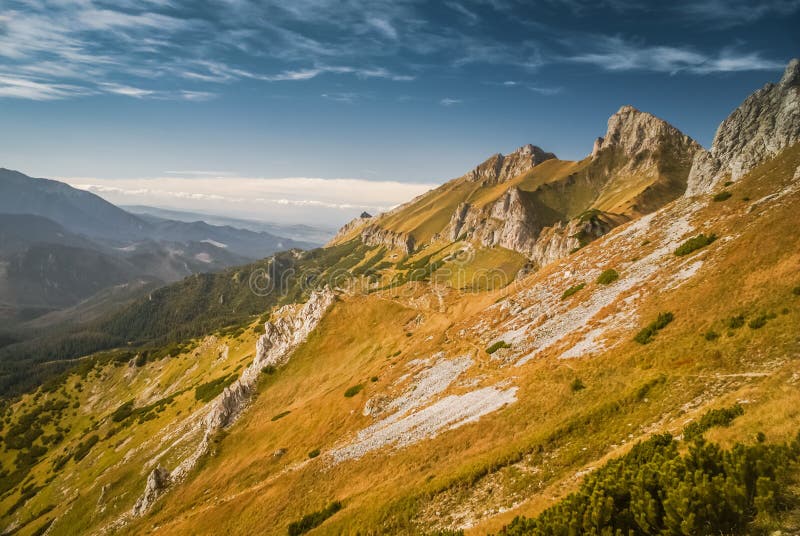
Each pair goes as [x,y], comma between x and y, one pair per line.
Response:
[767,122]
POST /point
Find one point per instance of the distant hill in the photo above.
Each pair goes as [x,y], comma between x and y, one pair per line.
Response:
[44,267]
[85,213]
[77,210]
[60,245]
[312,234]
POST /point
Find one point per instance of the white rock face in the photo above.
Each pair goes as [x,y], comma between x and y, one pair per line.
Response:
[767,122]
[516,223]
[500,168]
[375,235]
[291,327]
[157,482]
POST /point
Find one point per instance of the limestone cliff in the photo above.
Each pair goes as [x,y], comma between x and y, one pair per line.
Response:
[767,122]
[375,235]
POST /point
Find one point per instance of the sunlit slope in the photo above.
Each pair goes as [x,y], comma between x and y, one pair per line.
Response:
[438,432]
[527,453]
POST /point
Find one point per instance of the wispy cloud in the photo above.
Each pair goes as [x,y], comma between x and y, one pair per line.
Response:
[346,97]
[177,49]
[25,88]
[614,53]
[546,91]
[447,101]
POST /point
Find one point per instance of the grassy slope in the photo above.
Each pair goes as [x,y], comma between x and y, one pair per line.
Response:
[540,442]
[524,456]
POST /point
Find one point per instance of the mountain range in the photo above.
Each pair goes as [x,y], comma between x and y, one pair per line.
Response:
[60,246]
[539,346]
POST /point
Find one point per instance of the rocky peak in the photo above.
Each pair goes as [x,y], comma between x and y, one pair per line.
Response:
[767,122]
[633,132]
[791,76]
[500,168]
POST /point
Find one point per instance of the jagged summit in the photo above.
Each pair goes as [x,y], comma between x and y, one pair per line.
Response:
[634,131]
[791,76]
[767,122]
[500,168]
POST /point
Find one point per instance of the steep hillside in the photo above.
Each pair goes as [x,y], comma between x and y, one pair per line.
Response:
[374,389]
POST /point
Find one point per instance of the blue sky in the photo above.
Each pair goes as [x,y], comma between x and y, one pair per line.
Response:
[405,91]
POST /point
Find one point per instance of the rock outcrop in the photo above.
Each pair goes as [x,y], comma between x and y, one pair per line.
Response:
[767,122]
[500,168]
[349,229]
[157,482]
[638,133]
[375,235]
[292,325]
[517,222]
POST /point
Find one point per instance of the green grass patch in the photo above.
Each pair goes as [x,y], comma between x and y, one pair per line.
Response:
[314,520]
[497,346]
[722,196]
[648,332]
[572,290]
[314,453]
[693,244]
[607,277]
[796,290]
[353,390]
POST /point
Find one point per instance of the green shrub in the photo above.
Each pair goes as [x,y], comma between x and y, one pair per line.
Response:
[269,369]
[577,385]
[312,521]
[722,196]
[648,332]
[711,335]
[796,290]
[497,346]
[314,453]
[374,379]
[354,390]
[572,290]
[209,390]
[607,277]
[710,419]
[695,243]
[735,322]
[760,321]
[84,447]
[122,412]
[280,415]
[654,489]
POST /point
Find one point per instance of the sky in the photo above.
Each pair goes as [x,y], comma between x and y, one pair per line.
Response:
[311,110]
